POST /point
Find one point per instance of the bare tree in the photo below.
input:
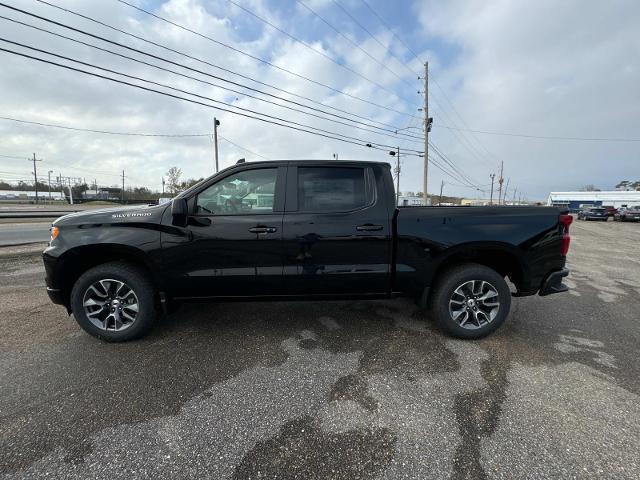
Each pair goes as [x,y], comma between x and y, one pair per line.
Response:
[590,188]
[173,177]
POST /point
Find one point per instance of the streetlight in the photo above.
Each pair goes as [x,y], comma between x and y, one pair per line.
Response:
[393,154]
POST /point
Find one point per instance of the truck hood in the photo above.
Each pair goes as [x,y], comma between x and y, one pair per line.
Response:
[126,214]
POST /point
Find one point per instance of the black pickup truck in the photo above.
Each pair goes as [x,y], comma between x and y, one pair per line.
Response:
[302,230]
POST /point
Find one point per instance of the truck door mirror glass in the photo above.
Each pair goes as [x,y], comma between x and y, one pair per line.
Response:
[179,211]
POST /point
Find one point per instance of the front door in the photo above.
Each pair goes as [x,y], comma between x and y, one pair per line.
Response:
[232,245]
[336,232]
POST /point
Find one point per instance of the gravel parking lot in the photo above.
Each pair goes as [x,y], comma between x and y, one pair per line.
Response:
[330,390]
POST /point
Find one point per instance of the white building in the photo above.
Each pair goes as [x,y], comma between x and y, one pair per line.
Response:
[29,195]
[410,201]
[577,200]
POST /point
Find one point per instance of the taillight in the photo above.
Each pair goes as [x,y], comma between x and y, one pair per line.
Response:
[565,222]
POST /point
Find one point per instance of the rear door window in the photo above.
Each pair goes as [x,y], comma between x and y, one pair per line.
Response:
[331,189]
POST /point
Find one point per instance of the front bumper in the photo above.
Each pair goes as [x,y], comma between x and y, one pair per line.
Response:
[55,295]
[553,283]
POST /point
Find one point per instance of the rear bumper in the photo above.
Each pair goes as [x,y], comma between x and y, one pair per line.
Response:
[553,283]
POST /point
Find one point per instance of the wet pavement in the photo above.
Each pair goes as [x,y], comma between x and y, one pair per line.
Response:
[330,390]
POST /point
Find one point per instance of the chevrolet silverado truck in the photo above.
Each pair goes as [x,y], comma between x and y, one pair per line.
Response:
[302,230]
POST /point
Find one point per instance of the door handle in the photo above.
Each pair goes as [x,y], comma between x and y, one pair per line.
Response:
[369,228]
[263,229]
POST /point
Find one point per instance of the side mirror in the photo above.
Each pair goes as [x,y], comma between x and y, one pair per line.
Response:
[179,211]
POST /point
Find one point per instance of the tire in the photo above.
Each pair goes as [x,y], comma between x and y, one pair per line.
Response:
[446,301]
[97,285]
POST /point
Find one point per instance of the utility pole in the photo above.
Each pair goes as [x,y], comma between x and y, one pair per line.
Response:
[500,181]
[49,175]
[216,122]
[397,155]
[398,179]
[493,175]
[504,198]
[35,174]
[122,186]
[441,187]
[427,128]
[163,186]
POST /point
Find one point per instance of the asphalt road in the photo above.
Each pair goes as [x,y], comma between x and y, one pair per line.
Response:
[331,390]
[21,233]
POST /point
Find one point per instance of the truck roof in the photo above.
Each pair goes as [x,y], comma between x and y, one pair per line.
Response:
[313,161]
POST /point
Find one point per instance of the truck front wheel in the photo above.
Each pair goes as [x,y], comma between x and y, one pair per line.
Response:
[114,302]
[470,301]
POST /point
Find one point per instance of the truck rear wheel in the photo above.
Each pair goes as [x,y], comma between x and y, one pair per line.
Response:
[114,302]
[470,301]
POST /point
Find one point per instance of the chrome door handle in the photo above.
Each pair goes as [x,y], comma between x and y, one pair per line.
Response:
[262,229]
[369,228]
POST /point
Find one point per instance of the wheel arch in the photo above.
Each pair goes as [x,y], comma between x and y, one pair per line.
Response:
[504,258]
[76,261]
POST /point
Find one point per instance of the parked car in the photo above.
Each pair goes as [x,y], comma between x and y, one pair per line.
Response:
[611,211]
[594,213]
[302,230]
[628,214]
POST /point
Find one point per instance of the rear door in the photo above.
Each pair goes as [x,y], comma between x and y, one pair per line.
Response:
[336,231]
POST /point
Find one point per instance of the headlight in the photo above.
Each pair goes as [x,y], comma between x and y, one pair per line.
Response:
[54,233]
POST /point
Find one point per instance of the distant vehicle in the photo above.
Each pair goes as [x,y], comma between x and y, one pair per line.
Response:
[611,211]
[627,214]
[596,213]
[302,230]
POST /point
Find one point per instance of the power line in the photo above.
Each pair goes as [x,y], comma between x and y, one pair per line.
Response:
[391,30]
[106,132]
[310,47]
[415,55]
[355,44]
[391,130]
[359,142]
[460,174]
[129,134]
[386,49]
[199,60]
[266,62]
[545,137]
[133,77]
[241,147]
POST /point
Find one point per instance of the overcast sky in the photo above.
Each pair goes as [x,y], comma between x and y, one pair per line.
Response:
[545,68]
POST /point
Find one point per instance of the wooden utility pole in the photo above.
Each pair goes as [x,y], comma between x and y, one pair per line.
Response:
[493,175]
[427,127]
[122,186]
[49,178]
[441,187]
[35,174]
[504,198]
[500,181]
[216,122]
[398,178]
